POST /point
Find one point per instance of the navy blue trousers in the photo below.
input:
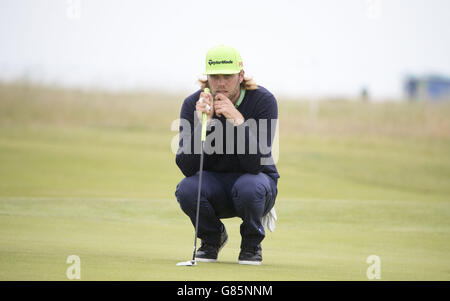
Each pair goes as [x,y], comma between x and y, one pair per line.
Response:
[226,195]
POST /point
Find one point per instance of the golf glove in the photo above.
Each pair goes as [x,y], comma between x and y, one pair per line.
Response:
[268,220]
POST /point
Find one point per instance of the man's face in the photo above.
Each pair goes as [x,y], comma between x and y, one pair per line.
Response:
[226,84]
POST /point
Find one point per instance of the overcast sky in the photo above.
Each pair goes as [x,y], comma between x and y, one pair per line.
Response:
[299,48]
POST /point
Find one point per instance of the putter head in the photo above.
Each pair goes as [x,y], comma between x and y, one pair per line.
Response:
[188,263]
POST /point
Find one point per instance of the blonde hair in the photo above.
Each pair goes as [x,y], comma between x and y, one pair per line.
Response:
[248,83]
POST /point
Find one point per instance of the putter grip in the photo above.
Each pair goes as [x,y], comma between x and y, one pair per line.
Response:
[204,120]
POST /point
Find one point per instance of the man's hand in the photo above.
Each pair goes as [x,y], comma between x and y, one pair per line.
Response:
[224,106]
[205,104]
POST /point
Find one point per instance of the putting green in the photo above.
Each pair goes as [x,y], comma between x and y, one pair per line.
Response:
[129,239]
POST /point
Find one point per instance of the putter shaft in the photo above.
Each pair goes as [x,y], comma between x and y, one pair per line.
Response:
[198,201]
[203,138]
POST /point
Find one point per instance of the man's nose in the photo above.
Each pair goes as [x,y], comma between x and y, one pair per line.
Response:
[221,81]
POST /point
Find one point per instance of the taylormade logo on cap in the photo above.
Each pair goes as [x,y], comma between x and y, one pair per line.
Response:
[223,60]
[211,62]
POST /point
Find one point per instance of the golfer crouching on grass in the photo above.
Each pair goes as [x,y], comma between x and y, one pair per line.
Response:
[239,174]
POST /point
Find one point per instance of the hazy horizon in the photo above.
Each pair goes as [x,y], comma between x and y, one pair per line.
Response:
[293,48]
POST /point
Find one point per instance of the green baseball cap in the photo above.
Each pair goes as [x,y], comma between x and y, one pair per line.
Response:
[223,60]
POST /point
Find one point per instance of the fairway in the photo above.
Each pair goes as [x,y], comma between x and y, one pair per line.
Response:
[92,174]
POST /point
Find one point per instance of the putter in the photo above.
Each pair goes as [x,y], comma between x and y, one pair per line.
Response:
[193,261]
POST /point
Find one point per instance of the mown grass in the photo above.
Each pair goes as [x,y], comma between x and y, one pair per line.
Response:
[93,174]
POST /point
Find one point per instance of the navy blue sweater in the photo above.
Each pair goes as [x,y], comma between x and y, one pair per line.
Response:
[257,105]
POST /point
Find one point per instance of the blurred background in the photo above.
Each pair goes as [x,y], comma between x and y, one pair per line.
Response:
[89,96]
[297,48]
